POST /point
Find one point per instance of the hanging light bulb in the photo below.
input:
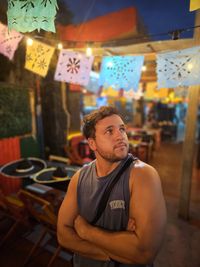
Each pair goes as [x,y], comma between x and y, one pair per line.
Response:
[29,41]
[190,66]
[60,46]
[144,68]
[88,51]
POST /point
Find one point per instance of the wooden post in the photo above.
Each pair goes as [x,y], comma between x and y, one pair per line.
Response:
[39,121]
[189,143]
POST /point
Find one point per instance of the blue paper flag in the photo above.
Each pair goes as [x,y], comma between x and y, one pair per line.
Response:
[179,68]
[121,72]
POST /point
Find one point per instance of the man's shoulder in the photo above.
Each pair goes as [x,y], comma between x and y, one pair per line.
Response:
[143,172]
[140,165]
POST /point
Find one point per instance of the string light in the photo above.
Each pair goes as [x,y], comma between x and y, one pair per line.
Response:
[175,34]
[109,64]
[88,51]
[190,66]
[29,42]
[144,68]
[60,46]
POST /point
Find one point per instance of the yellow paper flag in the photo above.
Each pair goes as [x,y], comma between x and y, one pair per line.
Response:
[38,56]
[194,4]
[109,91]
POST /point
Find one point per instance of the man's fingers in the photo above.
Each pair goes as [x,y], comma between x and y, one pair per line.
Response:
[131,225]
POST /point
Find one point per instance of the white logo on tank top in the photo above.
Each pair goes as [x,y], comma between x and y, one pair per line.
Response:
[117,204]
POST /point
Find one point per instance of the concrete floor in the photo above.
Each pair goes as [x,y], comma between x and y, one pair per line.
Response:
[181,244]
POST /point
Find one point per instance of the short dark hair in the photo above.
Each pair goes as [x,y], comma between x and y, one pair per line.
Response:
[90,120]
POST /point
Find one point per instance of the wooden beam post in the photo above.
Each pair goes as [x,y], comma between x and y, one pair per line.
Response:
[190,135]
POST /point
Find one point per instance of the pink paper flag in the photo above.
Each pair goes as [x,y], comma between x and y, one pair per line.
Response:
[73,67]
[9,41]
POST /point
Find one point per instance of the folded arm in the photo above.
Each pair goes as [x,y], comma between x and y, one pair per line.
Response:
[67,235]
[147,207]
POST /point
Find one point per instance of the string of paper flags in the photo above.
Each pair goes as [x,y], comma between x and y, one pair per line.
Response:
[174,69]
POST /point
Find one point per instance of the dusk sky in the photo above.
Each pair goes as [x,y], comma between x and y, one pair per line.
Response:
[158,16]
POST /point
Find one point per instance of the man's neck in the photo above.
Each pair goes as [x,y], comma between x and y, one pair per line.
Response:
[104,167]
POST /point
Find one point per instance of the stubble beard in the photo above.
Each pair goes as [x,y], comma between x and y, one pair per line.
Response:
[112,157]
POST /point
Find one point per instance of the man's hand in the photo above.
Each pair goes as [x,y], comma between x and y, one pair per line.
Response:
[131,225]
[82,227]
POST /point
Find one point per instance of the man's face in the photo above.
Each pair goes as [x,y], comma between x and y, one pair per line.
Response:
[111,142]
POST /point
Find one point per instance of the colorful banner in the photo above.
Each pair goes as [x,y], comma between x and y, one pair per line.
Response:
[109,91]
[121,72]
[9,41]
[29,15]
[152,92]
[133,95]
[93,85]
[194,4]
[73,67]
[38,56]
[179,68]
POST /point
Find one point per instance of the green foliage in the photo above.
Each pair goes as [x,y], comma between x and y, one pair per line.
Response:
[15,114]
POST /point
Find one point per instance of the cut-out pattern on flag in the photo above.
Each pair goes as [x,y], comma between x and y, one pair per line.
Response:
[73,67]
[29,15]
[121,72]
[178,68]
[9,41]
[38,57]
[194,4]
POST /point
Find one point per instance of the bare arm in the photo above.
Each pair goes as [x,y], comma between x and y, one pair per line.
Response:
[67,236]
[147,207]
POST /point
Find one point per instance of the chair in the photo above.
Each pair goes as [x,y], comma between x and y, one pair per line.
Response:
[12,208]
[43,211]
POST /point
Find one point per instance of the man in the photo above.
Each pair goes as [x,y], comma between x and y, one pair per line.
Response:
[131,229]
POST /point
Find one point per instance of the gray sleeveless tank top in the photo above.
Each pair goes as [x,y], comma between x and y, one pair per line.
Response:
[115,216]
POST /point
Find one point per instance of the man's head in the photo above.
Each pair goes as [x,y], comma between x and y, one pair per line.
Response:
[90,120]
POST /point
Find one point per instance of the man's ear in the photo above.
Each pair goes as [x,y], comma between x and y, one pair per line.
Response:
[92,143]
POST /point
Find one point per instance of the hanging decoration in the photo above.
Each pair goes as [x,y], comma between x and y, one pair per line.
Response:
[29,15]
[109,91]
[121,72]
[9,41]
[182,92]
[194,4]
[153,93]
[179,68]
[130,94]
[93,84]
[73,67]
[38,56]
